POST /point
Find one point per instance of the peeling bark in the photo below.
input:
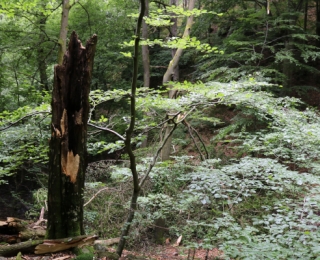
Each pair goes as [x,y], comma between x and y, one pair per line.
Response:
[67,155]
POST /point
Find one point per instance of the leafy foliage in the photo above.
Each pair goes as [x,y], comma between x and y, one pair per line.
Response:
[258,201]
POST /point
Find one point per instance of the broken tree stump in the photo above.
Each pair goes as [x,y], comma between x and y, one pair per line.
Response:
[68,143]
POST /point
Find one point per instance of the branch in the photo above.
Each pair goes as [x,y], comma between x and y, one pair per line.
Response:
[108,130]
[89,24]
[201,141]
[159,150]
[160,3]
[41,219]
[95,195]
[194,140]
[157,126]
[14,123]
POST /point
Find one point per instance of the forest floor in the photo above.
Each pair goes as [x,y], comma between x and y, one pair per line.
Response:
[172,252]
[164,252]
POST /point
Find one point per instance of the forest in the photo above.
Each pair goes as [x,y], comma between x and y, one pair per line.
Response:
[176,129]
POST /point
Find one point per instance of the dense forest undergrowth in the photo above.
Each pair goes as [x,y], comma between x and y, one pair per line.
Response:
[215,129]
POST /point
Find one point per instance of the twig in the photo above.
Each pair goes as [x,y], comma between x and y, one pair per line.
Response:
[89,23]
[157,126]
[265,40]
[108,130]
[95,195]
[201,140]
[158,152]
[194,140]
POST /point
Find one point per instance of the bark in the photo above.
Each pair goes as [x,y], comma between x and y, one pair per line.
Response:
[41,55]
[172,73]
[305,20]
[129,132]
[57,245]
[175,60]
[23,247]
[68,150]
[16,230]
[63,30]
[145,61]
[108,242]
[145,49]
[48,246]
[318,19]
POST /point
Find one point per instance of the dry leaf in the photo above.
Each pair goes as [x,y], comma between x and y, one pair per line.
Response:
[62,257]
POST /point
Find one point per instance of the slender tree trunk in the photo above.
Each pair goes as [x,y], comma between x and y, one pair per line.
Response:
[145,49]
[68,150]
[145,60]
[172,73]
[305,22]
[318,19]
[41,56]
[287,67]
[129,132]
[63,30]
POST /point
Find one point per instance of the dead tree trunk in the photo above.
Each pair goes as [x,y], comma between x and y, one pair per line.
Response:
[67,155]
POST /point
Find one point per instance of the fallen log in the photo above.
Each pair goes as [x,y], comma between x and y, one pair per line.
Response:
[46,246]
[56,245]
[16,230]
[108,242]
[23,247]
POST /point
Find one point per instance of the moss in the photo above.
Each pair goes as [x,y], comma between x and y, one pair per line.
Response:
[86,256]
[83,250]
[19,256]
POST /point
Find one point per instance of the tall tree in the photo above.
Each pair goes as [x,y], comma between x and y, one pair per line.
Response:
[63,30]
[41,53]
[68,143]
[137,184]
[172,73]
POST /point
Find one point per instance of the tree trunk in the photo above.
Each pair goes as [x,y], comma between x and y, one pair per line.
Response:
[145,49]
[68,150]
[129,132]
[41,55]
[145,61]
[63,30]
[172,73]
